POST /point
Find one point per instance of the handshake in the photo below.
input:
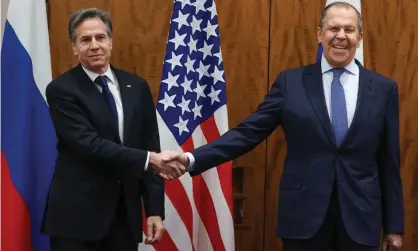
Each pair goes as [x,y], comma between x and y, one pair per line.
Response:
[169,164]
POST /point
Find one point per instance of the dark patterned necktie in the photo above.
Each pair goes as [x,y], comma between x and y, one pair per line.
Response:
[107,95]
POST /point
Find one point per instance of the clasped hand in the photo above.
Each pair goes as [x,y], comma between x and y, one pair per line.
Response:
[168,164]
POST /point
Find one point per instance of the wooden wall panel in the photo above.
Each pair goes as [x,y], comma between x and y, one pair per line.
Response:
[139,40]
[293,43]
[244,27]
[391,48]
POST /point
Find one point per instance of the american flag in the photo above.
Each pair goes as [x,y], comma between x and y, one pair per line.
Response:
[191,111]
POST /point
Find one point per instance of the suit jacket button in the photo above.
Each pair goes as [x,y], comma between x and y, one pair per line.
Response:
[118,181]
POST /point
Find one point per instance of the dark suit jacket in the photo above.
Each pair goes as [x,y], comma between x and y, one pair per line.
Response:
[93,168]
[366,166]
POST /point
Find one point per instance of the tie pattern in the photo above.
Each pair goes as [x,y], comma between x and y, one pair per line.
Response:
[338,107]
[107,95]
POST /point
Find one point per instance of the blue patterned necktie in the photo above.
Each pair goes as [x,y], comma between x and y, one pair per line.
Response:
[107,95]
[338,107]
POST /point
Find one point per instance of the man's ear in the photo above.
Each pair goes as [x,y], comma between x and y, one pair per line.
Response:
[319,34]
[74,49]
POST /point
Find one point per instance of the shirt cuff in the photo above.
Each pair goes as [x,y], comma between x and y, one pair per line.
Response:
[191,160]
[146,162]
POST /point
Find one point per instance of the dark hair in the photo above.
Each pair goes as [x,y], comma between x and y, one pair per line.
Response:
[82,14]
[341,4]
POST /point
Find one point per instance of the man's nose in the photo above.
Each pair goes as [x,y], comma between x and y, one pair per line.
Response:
[94,44]
[341,34]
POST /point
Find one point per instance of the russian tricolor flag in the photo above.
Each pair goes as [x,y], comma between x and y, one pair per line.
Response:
[359,52]
[27,134]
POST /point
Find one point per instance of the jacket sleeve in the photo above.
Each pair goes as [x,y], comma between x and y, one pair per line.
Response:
[73,126]
[389,168]
[153,185]
[247,135]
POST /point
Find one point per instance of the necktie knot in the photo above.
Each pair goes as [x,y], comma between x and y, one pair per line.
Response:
[338,72]
[101,80]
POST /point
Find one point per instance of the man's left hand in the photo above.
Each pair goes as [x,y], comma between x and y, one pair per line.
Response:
[394,241]
[155,229]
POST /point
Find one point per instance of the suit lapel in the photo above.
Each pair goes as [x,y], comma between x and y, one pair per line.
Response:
[128,97]
[365,92]
[312,80]
[88,88]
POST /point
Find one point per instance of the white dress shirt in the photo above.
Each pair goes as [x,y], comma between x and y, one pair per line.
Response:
[350,82]
[113,84]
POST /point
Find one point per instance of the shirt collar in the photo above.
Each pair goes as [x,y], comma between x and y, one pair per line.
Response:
[352,67]
[93,75]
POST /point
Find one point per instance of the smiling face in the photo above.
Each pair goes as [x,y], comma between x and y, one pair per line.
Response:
[340,35]
[93,46]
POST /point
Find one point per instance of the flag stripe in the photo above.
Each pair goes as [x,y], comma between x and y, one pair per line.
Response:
[32,32]
[28,138]
[15,224]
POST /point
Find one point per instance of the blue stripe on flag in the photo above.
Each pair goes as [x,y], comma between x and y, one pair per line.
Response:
[28,136]
[319,53]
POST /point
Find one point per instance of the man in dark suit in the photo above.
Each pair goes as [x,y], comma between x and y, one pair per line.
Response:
[107,133]
[341,179]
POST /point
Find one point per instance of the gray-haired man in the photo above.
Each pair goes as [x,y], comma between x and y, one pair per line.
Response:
[107,133]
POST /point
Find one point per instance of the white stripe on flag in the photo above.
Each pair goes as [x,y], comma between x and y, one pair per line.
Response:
[221,119]
[34,37]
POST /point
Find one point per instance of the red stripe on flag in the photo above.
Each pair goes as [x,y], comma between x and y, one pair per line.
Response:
[211,132]
[204,205]
[15,218]
[165,244]
[178,197]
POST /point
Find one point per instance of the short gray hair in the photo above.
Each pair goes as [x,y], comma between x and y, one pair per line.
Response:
[341,4]
[82,14]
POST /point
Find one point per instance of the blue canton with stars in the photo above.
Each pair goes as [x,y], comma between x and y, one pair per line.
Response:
[193,84]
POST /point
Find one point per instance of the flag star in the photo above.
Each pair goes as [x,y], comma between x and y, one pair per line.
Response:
[203,70]
[187,85]
[212,10]
[214,95]
[178,40]
[206,50]
[200,5]
[182,125]
[197,110]
[210,30]
[195,24]
[184,2]
[192,45]
[175,60]
[171,80]
[219,56]
[189,65]
[168,101]
[181,20]
[184,105]
[217,75]
[200,91]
